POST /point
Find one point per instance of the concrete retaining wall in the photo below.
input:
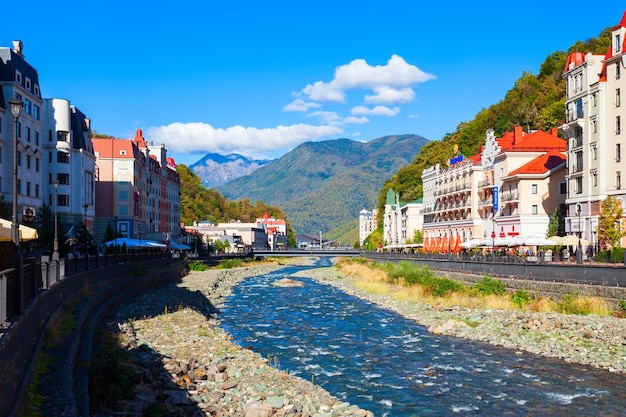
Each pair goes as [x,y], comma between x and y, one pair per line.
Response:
[21,343]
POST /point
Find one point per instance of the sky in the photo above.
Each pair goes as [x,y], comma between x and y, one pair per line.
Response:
[260,78]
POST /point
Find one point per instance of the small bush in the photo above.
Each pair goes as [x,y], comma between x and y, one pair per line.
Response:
[197,266]
[520,297]
[230,263]
[490,286]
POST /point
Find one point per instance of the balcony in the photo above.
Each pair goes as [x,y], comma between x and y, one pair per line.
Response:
[577,168]
[575,115]
[509,197]
[577,142]
[485,183]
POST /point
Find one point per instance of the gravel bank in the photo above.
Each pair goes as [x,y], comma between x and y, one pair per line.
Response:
[588,340]
[189,366]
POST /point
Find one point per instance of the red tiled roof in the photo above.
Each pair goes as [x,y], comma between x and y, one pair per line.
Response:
[541,164]
[539,141]
[576,57]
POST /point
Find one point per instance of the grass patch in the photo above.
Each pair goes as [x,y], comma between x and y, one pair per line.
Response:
[408,282]
[33,400]
[196,266]
[230,263]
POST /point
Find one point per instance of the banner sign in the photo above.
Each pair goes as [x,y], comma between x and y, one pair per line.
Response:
[495,199]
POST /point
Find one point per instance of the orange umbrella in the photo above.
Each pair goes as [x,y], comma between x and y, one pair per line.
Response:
[457,244]
[437,244]
[444,244]
[426,242]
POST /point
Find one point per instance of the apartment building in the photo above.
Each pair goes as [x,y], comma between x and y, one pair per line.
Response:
[367,224]
[138,190]
[402,219]
[19,80]
[70,161]
[594,135]
[511,188]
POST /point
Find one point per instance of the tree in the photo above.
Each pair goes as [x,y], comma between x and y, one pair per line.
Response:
[6,209]
[418,236]
[610,228]
[556,225]
[44,223]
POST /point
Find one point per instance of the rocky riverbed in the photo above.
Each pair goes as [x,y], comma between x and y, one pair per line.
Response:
[188,366]
[191,367]
[589,340]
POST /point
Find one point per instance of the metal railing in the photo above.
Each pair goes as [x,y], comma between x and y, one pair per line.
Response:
[39,276]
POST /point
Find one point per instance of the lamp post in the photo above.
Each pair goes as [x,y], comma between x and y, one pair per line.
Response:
[55,251]
[579,250]
[321,247]
[16,109]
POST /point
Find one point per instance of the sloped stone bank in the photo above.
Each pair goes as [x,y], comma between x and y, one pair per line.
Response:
[588,340]
[190,367]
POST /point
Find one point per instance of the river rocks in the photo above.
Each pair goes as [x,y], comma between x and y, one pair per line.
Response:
[189,365]
[587,340]
[287,282]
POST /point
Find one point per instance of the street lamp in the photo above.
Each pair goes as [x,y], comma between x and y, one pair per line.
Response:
[55,252]
[85,207]
[16,109]
[579,250]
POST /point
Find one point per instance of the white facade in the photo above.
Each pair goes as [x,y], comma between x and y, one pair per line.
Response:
[367,224]
[401,220]
[595,138]
[70,160]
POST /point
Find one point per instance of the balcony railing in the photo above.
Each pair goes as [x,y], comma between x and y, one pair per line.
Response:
[484,183]
[577,168]
[509,197]
[574,115]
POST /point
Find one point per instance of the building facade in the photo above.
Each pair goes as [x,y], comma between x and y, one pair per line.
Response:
[367,224]
[19,80]
[138,190]
[593,130]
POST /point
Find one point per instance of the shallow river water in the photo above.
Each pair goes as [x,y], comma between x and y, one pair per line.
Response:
[387,364]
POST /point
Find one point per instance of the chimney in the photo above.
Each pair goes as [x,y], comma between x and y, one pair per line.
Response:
[554,132]
[518,132]
[18,47]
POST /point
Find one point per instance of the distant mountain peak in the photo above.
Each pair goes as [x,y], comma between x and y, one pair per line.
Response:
[215,169]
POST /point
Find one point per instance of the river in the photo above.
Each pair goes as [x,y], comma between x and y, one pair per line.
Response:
[385,363]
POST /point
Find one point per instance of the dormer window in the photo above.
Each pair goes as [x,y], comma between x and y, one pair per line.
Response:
[618,43]
[18,77]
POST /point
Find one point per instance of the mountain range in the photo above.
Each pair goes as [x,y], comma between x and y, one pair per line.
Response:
[323,185]
[215,169]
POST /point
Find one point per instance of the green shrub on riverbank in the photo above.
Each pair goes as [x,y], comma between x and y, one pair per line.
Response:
[197,266]
[230,263]
[424,276]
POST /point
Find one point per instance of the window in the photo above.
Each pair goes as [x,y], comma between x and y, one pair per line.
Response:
[618,180]
[18,77]
[563,188]
[36,138]
[534,188]
[617,98]
[36,164]
[618,152]
[594,179]
[594,152]
[63,179]
[594,126]
[534,209]
[594,99]
[27,83]
[63,200]
[37,190]
[63,158]
[28,161]
[617,44]
[19,158]
[19,130]
[579,185]
[50,157]
[618,125]
[27,133]
[27,106]
[28,188]
[49,135]
[36,111]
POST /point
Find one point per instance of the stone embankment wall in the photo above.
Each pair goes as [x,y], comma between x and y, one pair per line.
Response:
[22,341]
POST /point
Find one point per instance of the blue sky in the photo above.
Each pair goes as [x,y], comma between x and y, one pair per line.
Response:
[259,78]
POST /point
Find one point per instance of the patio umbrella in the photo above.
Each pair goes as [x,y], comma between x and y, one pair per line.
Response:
[569,240]
[457,244]
[533,241]
[26,233]
[426,244]
[473,243]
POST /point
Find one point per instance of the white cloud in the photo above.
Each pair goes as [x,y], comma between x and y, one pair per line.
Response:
[388,95]
[327,117]
[391,83]
[324,92]
[182,138]
[356,120]
[376,111]
[300,105]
